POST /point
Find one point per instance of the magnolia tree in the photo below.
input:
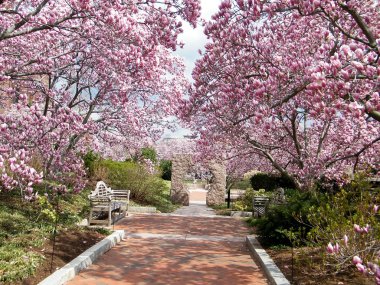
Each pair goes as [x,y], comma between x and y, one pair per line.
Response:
[84,74]
[168,148]
[294,84]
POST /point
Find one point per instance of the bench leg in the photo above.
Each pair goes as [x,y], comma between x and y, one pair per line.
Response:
[123,210]
[90,217]
[109,216]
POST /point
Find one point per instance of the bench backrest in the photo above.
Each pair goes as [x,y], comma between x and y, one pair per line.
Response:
[101,190]
[260,201]
[121,195]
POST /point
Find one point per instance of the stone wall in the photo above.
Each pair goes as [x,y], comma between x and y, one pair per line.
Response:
[179,192]
[216,194]
[180,166]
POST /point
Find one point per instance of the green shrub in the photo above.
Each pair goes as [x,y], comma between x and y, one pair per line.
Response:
[149,153]
[263,181]
[349,206]
[166,169]
[89,159]
[325,185]
[335,218]
[269,182]
[292,216]
[146,189]
[245,202]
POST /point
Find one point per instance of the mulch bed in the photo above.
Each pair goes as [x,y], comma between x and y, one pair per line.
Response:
[304,274]
[69,244]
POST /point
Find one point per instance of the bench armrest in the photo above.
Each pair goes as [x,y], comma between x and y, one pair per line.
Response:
[100,199]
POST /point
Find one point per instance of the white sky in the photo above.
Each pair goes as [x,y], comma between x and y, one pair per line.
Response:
[194,40]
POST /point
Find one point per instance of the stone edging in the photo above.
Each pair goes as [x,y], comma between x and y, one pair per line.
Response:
[84,260]
[272,272]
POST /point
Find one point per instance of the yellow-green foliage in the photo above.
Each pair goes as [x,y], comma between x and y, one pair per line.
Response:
[146,188]
[244,203]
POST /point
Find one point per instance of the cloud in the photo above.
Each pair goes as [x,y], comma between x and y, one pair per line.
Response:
[209,8]
[194,39]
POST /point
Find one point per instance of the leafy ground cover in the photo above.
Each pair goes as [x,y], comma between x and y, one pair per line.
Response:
[27,234]
[69,244]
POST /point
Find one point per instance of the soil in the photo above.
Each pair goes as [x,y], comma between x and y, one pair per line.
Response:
[69,244]
[304,274]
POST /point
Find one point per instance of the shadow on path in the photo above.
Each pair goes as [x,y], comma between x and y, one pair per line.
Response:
[176,250]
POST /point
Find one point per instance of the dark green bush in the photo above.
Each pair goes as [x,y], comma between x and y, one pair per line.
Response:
[269,182]
[166,169]
[263,181]
[291,216]
[89,159]
[146,188]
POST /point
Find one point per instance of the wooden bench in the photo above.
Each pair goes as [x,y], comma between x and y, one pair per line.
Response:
[260,205]
[104,200]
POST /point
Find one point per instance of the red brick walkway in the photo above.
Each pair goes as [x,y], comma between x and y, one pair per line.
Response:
[176,250]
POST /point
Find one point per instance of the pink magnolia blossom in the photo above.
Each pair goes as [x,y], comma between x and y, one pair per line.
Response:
[333,249]
[330,248]
[287,99]
[361,268]
[345,239]
[356,259]
[99,75]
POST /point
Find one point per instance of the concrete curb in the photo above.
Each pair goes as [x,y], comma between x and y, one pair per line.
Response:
[271,270]
[84,260]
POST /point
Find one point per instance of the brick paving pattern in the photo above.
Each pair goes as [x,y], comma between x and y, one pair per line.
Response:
[176,250]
